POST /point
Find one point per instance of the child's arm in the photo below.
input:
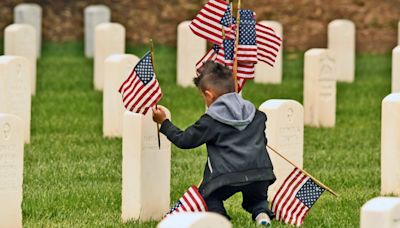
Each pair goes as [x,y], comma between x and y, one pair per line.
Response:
[192,137]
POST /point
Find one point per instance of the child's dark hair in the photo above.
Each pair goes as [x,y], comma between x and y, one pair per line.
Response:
[216,77]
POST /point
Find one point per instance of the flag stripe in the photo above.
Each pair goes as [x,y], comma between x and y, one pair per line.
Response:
[198,198]
[126,82]
[194,201]
[131,86]
[288,217]
[152,99]
[186,203]
[207,23]
[297,210]
[143,92]
[284,185]
[268,44]
[205,34]
[191,201]
[131,90]
[288,194]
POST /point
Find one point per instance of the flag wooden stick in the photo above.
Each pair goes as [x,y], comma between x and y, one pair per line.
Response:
[152,62]
[235,62]
[305,172]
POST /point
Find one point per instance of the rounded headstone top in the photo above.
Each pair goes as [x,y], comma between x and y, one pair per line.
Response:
[276,103]
[15,27]
[95,8]
[5,59]
[184,24]
[108,25]
[315,51]
[393,97]
[381,204]
[396,49]
[24,6]
[342,22]
[195,220]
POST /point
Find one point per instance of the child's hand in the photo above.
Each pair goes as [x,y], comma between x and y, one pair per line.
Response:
[159,115]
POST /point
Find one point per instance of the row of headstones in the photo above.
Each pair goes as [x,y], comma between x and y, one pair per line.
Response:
[323,68]
[17,84]
[22,45]
[23,37]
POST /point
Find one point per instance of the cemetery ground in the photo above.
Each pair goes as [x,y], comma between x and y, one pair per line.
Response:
[72,175]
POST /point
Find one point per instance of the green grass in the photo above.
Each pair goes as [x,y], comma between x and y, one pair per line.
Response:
[72,175]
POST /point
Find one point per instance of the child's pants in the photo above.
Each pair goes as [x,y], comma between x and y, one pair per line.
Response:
[254,198]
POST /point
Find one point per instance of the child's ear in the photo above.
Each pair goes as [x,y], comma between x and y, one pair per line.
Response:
[208,93]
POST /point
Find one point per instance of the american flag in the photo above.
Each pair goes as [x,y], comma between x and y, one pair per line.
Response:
[228,21]
[295,198]
[211,20]
[268,44]
[191,201]
[225,56]
[211,55]
[141,91]
[247,48]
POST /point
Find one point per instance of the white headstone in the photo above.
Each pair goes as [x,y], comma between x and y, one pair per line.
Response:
[15,95]
[319,88]
[146,169]
[117,69]
[342,44]
[264,72]
[109,39]
[396,70]
[20,40]
[94,15]
[191,49]
[195,220]
[382,212]
[31,14]
[285,134]
[390,145]
[11,170]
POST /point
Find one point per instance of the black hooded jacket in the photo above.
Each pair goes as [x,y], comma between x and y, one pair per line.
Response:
[234,133]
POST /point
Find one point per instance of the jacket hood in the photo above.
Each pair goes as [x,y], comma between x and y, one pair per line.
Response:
[233,110]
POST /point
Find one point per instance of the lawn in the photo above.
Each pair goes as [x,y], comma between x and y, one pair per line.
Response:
[72,175]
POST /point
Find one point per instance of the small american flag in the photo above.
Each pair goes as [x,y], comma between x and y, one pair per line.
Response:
[211,55]
[211,20]
[191,201]
[229,24]
[268,44]
[225,56]
[247,49]
[141,91]
[295,198]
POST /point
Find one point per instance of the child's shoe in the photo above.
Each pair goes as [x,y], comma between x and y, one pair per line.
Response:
[263,219]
